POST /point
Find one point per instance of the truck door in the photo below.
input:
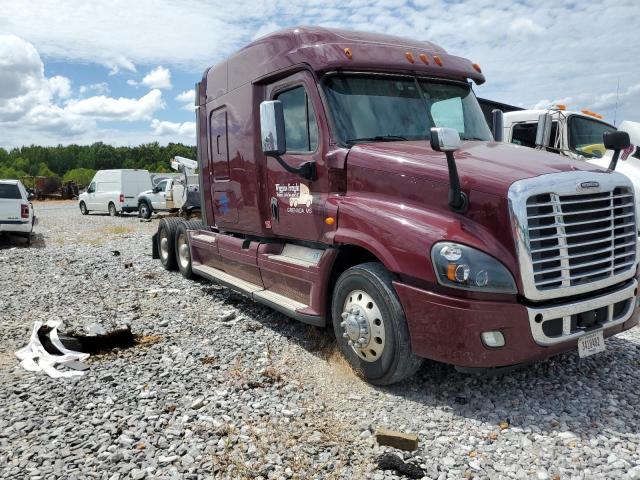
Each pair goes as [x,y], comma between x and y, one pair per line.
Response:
[297,205]
[91,196]
[159,195]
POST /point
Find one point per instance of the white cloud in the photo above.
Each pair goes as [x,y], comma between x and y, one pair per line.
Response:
[60,86]
[185,129]
[128,109]
[101,88]
[187,97]
[529,51]
[159,77]
[32,104]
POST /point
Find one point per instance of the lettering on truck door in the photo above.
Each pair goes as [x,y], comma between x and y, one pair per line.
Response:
[298,204]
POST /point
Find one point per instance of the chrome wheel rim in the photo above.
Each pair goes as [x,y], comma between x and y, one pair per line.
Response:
[164,245]
[143,210]
[363,326]
[183,251]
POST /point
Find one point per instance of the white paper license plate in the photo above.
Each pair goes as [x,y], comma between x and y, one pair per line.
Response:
[590,344]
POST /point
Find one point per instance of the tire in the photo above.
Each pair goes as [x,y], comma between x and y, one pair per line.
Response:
[183,253]
[366,293]
[83,209]
[144,210]
[167,240]
[112,210]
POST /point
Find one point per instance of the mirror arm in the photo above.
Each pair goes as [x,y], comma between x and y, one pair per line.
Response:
[306,170]
[458,200]
[614,160]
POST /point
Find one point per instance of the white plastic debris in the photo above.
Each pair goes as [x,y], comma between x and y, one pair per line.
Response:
[34,358]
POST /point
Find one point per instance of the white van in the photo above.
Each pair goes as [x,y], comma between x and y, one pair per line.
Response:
[114,191]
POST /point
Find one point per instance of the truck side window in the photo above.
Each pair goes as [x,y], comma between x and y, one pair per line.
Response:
[525,134]
[300,126]
[161,186]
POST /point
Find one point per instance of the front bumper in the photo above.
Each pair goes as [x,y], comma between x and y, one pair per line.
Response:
[447,329]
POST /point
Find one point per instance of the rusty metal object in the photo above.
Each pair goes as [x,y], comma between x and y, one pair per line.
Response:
[51,188]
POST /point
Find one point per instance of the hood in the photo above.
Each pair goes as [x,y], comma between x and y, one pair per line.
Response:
[489,167]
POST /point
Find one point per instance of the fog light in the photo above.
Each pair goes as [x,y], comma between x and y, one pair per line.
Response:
[493,339]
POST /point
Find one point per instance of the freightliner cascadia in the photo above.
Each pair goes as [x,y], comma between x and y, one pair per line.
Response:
[350,180]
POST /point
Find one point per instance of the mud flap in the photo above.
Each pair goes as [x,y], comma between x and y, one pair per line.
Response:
[155,254]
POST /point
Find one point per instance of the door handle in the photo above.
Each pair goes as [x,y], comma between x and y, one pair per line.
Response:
[275,210]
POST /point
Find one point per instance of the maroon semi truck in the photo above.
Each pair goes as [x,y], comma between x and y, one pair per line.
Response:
[350,179]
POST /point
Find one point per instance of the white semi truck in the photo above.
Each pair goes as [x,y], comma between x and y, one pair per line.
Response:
[574,134]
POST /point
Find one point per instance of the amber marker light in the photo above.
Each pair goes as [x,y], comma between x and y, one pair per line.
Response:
[347,52]
[592,114]
[424,58]
[561,107]
[477,68]
[451,271]
[409,57]
[438,60]
[329,220]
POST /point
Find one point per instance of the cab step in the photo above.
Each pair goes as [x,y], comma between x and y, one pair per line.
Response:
[281,303]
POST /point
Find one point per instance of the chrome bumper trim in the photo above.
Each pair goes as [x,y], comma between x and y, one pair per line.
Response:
[565,311]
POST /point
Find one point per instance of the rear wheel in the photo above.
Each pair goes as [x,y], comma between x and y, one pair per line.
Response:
[370,325]
[183,252]
[166,242]
[83,208]
[112,209]
[144,210]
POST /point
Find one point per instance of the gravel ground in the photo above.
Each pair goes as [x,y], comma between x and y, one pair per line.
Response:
[220,387]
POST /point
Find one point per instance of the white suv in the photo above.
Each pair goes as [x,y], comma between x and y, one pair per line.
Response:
[16,210]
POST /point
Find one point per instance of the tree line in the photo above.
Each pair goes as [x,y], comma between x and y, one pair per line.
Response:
[79,163]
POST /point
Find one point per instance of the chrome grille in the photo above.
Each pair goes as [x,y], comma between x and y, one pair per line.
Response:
[572,241]
[577,239]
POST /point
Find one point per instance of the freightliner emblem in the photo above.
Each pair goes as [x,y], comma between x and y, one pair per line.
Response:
[588,186]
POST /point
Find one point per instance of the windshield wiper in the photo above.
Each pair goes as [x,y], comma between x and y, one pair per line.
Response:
[377,138]
[473,138]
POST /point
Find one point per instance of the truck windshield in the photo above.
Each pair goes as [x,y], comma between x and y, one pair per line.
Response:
[585,136]
[369,108]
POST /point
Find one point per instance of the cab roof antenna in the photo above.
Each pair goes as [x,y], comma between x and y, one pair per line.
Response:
[615,110]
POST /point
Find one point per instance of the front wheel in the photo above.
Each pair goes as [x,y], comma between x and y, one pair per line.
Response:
[83,208]
[370,326]
[144,211]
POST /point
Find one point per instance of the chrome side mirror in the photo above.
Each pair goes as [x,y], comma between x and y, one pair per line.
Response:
[272,128]
[448,141]
[445,139]
[543,133]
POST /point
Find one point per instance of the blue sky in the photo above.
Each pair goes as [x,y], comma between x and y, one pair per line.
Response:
[123,72]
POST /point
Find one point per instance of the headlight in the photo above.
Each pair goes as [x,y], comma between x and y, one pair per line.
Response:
[459,266]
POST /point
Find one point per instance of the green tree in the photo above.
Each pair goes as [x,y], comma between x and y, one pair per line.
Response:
[82,176]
